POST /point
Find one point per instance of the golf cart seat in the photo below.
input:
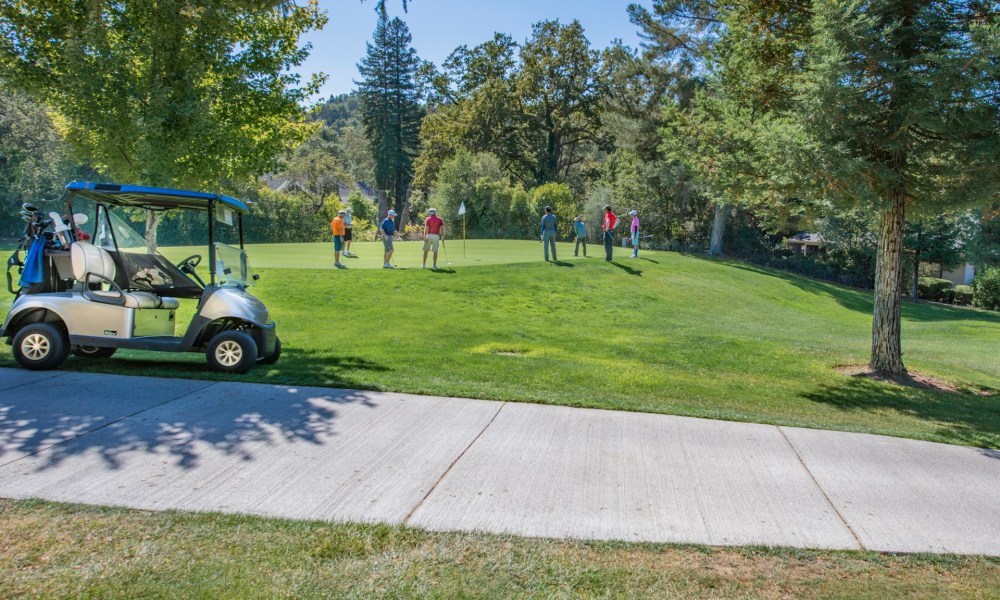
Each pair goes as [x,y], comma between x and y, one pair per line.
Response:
[93,265]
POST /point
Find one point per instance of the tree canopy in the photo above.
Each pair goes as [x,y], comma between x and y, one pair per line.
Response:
[183,93]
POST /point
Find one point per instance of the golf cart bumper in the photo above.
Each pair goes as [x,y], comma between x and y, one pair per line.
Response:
[266,337]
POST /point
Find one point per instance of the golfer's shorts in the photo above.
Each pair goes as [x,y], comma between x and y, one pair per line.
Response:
[431,242]
[635,240]
[387,243]
[347,234]
[338,243]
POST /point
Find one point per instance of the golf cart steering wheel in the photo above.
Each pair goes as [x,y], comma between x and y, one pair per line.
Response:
[188,264]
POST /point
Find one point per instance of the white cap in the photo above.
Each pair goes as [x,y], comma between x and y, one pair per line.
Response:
[392,213]
[632,212]
[432,210]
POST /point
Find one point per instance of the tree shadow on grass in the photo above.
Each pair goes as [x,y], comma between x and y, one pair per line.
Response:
[295,367]
[118,416]
[628,269]
[861,300]
[965,418]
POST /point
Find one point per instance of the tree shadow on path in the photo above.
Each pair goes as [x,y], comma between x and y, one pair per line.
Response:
[180,421]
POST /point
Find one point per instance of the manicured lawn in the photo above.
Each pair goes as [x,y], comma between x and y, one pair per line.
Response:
[57,550]
[665,333]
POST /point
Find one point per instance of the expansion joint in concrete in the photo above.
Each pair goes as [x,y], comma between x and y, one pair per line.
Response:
[826,497]
[417,506]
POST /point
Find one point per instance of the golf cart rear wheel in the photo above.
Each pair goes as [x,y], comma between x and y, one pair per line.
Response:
[274,356]
[40,346]
[231,352]
[93,352]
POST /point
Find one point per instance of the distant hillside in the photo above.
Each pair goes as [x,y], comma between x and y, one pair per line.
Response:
[340,111]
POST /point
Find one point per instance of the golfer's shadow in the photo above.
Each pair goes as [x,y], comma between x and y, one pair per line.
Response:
[440,271]
[628,269]
[560,263]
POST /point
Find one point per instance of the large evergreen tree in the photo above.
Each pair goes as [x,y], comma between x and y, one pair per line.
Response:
[897,109]
[391,106]
[180,93]
[891,105]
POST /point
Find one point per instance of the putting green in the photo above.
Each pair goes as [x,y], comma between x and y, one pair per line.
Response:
[408,255]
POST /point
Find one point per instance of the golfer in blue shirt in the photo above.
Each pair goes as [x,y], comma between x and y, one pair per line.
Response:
[388,231]
[549,233]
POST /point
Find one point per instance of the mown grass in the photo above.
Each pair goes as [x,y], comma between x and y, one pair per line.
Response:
[59,550]
[664,333]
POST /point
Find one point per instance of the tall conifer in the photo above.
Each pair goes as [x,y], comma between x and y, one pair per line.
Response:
[391,110]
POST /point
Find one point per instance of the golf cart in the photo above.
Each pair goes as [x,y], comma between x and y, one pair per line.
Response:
[94,297]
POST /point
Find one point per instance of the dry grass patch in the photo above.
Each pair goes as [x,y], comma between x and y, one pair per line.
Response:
[57,550]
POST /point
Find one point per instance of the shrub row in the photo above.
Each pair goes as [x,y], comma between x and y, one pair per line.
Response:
[983,293]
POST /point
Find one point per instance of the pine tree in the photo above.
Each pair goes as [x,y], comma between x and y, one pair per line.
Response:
[897,109]
[891,105]
[391,110]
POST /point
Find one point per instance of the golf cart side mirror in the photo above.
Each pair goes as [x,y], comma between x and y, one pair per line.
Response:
[256,277]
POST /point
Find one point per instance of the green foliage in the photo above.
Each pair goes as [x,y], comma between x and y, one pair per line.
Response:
[983,246]
[391,111]
[932,288]
[166,93]
[361,207]
[34,161]
[962,295]
[564,206]
[494,208]
[537,112]
[986,289]
[278,217]
[340,112]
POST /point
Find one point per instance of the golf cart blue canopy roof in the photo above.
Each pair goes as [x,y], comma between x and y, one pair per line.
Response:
[151,197]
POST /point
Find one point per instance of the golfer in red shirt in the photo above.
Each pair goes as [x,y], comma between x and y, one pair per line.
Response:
[433,234]
[610,220]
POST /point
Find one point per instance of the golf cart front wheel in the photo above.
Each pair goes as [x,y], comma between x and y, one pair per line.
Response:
[40,346]
[93,352]
[274,356]
[231,352]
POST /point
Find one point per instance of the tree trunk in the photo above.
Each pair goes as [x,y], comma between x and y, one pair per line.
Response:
[153,218]
[383,203]
[718,229]
[916,261]
[887,355]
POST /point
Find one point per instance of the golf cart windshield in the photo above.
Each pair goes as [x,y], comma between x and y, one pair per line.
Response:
[139,266]
[232,268]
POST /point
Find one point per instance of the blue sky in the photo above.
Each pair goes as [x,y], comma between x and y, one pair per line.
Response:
[440,26]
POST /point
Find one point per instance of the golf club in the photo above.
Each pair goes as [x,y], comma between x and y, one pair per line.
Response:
[445,248]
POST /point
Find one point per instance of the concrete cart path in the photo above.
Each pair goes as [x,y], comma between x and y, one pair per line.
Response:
[455,464]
